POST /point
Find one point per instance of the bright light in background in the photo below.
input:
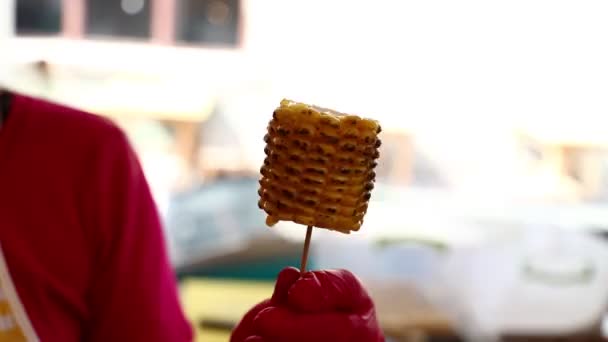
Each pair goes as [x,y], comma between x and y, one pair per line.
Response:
[132,7]
[446,64]
[462,76]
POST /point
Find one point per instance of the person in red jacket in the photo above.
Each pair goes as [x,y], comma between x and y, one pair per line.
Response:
[83,257]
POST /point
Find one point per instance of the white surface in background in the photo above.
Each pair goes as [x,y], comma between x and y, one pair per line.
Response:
[488,290]
[162,173]
[7,22]
[459,218]
[414,264]
[6,32]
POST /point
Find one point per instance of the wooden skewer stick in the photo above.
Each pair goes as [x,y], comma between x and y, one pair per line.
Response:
[305,251]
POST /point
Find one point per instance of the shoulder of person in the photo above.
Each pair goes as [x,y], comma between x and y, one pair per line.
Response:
[74,126]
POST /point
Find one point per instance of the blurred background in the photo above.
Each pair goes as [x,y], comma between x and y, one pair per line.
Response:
[489,217]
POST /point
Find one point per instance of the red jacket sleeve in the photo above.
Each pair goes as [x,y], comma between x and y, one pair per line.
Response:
[133,295]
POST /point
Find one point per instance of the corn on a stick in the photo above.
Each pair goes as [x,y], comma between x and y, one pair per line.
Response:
[319,167]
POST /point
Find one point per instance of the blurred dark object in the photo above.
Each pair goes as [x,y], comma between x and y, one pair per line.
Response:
[39,17]
[44,70]
[216,324]
[261,259]
[388,242]
[42,67]
[601,232]
[209,21]
[582,337]
[125,18]
[6,99]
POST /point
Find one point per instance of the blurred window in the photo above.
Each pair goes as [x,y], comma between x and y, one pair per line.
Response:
[38,17]
[208,21]
[118,18]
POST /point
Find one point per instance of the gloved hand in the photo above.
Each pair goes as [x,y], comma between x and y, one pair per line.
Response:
[318,306]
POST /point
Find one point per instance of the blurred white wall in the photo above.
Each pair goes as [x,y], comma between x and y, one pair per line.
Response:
[7,18]
[461,75]
[6,32]
[465,63]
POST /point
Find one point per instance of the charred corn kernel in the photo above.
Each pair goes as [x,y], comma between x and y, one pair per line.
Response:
[313,180]
[292,180]
[350,132]
[284,204]
[269,208]
[310,202]
[328,119]
[305,210]
[329,209]
[271,220]
[346,211]
[325,150]
[349,201]
[305,130]
[339,189]
[289,192]
[319,160]
[355,191]
[338,179]
[305,220]
[285,216]
[319,167]
[330,197]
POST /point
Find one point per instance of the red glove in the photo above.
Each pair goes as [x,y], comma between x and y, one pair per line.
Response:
[318,306]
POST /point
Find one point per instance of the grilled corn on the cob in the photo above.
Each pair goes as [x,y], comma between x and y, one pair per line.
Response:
[319,167]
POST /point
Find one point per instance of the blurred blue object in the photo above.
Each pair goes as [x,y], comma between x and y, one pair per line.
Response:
[217,211]
[217,230]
